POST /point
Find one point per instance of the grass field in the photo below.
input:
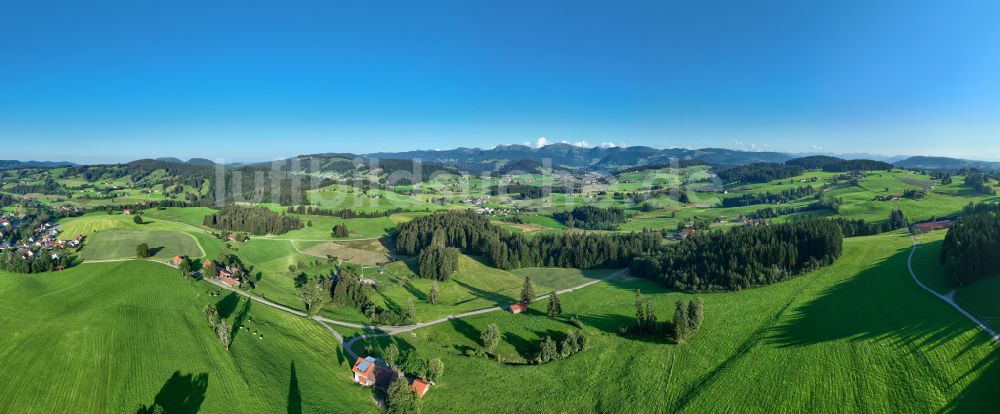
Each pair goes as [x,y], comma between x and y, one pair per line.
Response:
[121,244]
[110,337]
[833,338]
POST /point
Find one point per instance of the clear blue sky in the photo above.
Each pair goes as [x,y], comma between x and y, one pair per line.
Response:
[97,81]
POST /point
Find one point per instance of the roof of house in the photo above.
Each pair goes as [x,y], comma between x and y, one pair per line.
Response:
[177,259]
[364,366]
[420,386]
[935,225]
[518,307]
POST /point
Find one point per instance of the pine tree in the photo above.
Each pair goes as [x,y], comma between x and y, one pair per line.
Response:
[680,322]
[695,314]
[433,296]
[640,315]
[527,292]
[411,313]
[555,309]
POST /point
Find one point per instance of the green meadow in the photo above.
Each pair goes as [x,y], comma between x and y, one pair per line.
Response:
[113,337]
[858,335]
[121,244]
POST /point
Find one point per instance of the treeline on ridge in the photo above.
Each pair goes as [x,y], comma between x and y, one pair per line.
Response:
[251,219]
[743,257]
[760,172]
[474,234]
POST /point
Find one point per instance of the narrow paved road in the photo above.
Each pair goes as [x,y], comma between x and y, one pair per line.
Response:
[387,330]
[948,298]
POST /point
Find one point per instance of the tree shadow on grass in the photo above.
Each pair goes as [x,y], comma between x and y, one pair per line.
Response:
[294,394]
[466,329]
[880,303]
[227,305]
[485,294]
[417,293]
[180,394]
[154,250]
[980,394]
[240,318]
[525,348]
[390,304]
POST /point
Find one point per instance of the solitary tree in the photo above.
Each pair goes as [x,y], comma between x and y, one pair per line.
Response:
[313,294]
[555,309]
[411,313]
[142,251]
[433,296]
[391,355]
[137,219]
[527,292]
[435,369]
[490,337]
[680,321]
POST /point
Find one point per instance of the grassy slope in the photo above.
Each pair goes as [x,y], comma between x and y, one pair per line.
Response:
[109,337]
[120,244]
[833,338]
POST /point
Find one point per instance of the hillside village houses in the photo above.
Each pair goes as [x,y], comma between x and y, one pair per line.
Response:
[370,371]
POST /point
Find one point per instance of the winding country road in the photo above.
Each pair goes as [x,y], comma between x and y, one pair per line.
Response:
[387,330]
[948,298]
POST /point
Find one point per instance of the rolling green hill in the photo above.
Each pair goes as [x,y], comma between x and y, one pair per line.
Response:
[858,335]
[112,337]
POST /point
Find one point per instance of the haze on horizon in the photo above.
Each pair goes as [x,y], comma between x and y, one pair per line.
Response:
[110,81]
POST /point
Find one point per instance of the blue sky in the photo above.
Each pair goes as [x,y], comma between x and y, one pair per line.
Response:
[104,81]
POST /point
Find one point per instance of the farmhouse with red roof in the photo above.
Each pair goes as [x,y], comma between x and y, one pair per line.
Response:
[518,307]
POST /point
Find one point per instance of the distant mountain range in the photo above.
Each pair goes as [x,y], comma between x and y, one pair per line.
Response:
[27,164]
[938,163]
[193,161]
[567,156]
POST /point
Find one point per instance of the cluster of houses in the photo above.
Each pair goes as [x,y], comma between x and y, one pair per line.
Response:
[43,241]
[371,371]
[230,275]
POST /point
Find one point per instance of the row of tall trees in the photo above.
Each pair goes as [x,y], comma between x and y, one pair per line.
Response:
[251,219]
[970,248]
[474,234]
[743,257]
[346,213]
